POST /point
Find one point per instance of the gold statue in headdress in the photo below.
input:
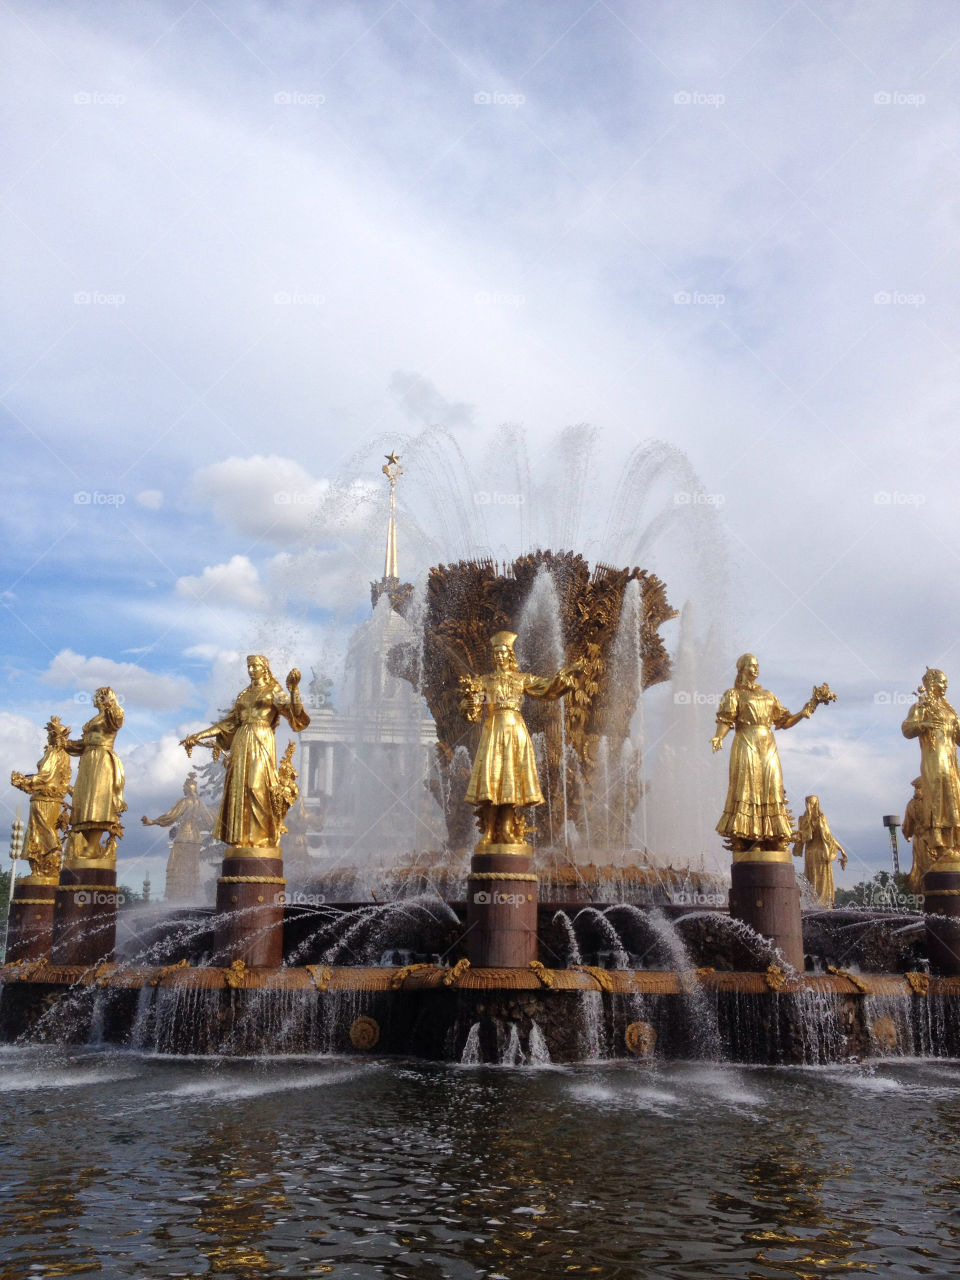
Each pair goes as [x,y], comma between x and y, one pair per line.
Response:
[256,794]
[755,816]
[193,818]
[820,849]
[98,791]
[914,830]
[935,723]
[47,789]
[504,778]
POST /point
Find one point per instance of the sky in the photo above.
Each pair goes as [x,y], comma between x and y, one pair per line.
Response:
[250,248]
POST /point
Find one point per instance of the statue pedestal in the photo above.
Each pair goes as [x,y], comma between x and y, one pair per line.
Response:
[30,923]
[250,896]
[502,907]
[941,895]
[765,895]
[85,915]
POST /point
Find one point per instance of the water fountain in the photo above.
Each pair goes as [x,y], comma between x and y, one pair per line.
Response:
[577,945]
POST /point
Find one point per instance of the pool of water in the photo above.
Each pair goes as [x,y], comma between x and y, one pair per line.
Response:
[117,1165]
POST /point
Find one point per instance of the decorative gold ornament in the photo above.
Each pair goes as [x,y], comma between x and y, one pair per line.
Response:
[935,817]
[883,1032]
[98,801]
[364,1032]
[256,795]
[469,601]
[453,976]
[47,789]
[543,975]
[236,974]
[919,982]
[755,816]
[641,1038]
[320,975]
[776,977]
[855,978]
[816,842]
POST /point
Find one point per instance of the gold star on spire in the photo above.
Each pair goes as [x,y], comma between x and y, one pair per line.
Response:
[392,458]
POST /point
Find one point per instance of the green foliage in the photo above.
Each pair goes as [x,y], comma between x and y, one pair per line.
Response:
[884,891]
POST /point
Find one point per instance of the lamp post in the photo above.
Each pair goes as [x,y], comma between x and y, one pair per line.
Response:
[16,845]
[891,821]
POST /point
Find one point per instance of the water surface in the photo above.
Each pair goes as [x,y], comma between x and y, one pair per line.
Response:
[117,1165]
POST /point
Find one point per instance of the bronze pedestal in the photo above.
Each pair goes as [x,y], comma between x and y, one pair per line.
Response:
[85,916]
[764,894]
[30,923]
[250,901]
[502,907]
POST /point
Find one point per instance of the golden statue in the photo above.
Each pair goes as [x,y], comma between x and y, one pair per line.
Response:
[47,789]
[913,829]
[98,791]
[935,723]
[254,790]
[820,849]
[755,816]
[193,818]
[504,778]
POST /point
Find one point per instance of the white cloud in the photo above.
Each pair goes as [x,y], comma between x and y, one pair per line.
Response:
[132,684]
[235,584]
[152,499]
[266,497]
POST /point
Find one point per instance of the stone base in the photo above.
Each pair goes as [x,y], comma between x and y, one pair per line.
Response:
[502,907]
[30,923]
[764,894]
[941,895]
[84,916]
[250,898]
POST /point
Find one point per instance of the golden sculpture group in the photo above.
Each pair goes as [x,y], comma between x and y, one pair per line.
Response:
[756,823]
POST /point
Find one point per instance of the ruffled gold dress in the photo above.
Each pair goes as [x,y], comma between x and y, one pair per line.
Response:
[505,769]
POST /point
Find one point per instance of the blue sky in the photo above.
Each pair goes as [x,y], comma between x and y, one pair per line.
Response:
[250,247]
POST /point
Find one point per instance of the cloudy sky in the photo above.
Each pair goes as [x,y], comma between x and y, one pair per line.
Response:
[251,247]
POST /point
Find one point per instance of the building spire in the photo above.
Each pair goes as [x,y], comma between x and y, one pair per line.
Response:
[392,470]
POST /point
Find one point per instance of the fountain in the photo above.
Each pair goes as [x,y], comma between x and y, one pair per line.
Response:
[550,941]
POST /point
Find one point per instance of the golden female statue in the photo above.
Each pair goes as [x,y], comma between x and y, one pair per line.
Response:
[504,778]
[913,829]
[193,818]
[755,815]
[935,723]
[254,794]
[46,789]
[98,791]
[820,849]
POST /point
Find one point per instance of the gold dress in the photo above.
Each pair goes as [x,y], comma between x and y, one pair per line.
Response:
[247,815]
[505,769]
[756,805]
[98,791]
[935,723]
[914,830]
[819,854]
[46,789]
